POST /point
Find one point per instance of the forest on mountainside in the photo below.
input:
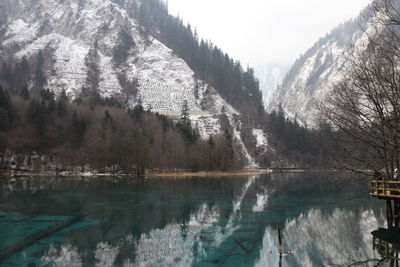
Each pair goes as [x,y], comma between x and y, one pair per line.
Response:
[292,144]
[238,86]
[105,136]
[32,123]
[298,145]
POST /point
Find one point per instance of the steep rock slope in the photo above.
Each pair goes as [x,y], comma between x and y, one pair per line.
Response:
[97,46]
[315,72]
[71,28]
[270,77]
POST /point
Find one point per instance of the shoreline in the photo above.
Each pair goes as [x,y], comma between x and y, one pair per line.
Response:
[245,172]
[159,174]
[205,174]
[148,175]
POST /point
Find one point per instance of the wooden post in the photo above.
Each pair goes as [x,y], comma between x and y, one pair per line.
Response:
[384,188]
[389,214]
[395,217]
[396,213]
[371,186]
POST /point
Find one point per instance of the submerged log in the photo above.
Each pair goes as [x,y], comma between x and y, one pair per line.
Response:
[29,241]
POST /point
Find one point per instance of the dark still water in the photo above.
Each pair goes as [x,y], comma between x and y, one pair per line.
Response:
[325,219]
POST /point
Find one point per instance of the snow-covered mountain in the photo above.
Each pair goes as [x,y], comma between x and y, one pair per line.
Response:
[270,77]
[312,76]
[98,45]
[72,28]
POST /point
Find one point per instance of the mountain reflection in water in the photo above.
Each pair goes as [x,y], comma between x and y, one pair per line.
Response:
[326,220]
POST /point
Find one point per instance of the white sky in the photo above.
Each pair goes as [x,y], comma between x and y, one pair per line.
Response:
[259,32]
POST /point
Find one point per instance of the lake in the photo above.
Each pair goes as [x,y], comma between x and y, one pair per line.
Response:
[326,219]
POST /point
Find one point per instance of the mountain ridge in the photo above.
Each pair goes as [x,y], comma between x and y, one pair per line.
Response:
[114,49]
[312,75]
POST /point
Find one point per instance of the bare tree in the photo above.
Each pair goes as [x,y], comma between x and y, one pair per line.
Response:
[364,107]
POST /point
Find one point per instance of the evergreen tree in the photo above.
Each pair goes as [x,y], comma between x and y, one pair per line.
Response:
[6,110]
[24,93]
[185,115]
[4,120]
[223,110]
[40,77]
[126,42]
[92,62]
[78,130]
[37,115]
[5,101]
[281,121]
[62,101]
[108,121]
[95,99]
[25,67]
[185,123]
[21,74]
[46,95]
[138,110]
[6,74]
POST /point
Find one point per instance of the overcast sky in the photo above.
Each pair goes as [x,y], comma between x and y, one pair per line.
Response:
[265,31]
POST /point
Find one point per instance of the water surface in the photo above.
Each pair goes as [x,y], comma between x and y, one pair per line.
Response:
[326,220]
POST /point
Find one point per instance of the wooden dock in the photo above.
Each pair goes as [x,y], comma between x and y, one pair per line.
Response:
[385,189]
[388,190]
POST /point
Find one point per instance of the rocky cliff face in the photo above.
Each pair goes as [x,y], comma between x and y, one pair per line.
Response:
[97,46]
[100,35]
[313,74]
[270,77]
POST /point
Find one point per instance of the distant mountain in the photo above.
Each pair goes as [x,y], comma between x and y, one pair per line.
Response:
[270,77]
[312,75]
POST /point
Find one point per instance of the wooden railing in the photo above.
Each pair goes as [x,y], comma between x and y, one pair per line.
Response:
[385,189]
[386,249]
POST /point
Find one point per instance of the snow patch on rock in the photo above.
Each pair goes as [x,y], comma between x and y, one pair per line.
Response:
[70,68]
[20,32]
[109,84]
[207,126]
[261,138]
[251,164]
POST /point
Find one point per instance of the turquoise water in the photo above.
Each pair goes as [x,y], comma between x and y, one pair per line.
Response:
[326,220]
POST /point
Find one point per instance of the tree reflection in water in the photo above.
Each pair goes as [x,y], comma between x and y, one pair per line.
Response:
[387,243]
[326,220]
